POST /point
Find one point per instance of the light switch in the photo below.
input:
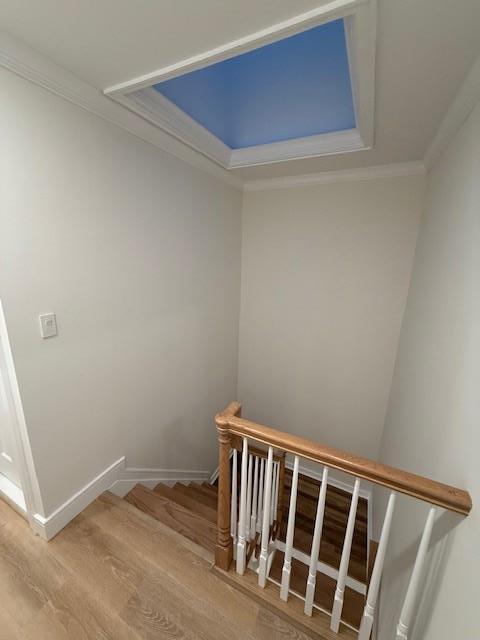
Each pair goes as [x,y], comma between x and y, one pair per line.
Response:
[48,325]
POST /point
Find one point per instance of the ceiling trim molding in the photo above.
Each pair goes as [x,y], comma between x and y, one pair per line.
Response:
[343,175]
[321,145]
[139,96]
[463,104]
[29,64]
[161,112]
[325,13]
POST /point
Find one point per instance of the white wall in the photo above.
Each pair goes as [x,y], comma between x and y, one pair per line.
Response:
[433,419]
[139,256]
[325,272]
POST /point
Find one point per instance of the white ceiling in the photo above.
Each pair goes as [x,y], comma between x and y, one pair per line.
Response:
[424,51]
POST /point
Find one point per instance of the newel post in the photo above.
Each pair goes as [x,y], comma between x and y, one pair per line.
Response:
[224,547]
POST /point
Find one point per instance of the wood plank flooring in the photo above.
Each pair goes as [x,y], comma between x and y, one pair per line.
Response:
[190,524]
[191,511]
[115,573]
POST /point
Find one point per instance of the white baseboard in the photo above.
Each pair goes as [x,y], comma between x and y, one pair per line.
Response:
[47,527]
[116,478]
[151,477]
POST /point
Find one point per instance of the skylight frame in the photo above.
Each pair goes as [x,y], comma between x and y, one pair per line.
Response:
[359,18]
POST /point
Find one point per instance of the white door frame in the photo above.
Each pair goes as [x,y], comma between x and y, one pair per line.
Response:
[18,436]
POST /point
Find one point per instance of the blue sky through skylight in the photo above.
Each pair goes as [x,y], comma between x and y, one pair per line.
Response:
[297,87]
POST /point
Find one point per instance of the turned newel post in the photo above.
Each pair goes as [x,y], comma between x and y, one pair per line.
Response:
[224,547]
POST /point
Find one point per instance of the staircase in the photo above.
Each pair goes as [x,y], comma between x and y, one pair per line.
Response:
[191,510]
[297,546]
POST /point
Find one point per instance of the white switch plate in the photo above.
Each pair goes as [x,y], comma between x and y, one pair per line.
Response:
[48,325]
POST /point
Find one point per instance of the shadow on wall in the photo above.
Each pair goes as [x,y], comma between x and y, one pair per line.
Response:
[179,445]
[440,546]
[401,565]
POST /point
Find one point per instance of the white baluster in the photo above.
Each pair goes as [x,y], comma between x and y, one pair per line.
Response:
[317,536]
[253,520]
[249,498]
[241,544]
[344,562]
[414,584]
[267,496]
[260,494]
[287,564]
[234,500]
[369,611]
[277,485]
[272,497]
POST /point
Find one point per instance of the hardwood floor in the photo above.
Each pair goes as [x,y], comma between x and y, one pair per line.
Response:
[191,511]
[115,573]
[191,524]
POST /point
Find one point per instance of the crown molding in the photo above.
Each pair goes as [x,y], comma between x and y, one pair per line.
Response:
[155,108]
[161,112]
[27,63]
[342,175]
[359,17]
[463,104]
[325,13]
[321,145]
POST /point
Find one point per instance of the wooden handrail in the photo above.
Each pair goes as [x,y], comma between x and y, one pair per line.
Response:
[410,484]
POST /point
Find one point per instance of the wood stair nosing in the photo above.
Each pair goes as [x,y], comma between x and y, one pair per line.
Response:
[316,627]
[329,554]
[211,489]
[311,487]
[207,489]
[325,586]
[193,491]
[337,501]
[188,501]
[331,549]
[180,519]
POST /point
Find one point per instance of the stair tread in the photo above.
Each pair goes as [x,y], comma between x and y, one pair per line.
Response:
[184,521]
[152,581]
[325,586]
[337,505]
[196,491]
[142,525]
[316,627]
[211,489]
[187,500]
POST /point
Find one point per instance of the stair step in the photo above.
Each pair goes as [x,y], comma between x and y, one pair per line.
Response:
[354,602]
[189,501]
[211,489]
[183,520]
[316,627]
[337,507]
[329,553]
[153,579]
[139,529]
[202,497]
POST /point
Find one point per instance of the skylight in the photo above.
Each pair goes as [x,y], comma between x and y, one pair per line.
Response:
[301,88]
[294,88]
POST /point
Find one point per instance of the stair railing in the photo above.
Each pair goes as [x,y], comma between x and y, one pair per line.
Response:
[261,502]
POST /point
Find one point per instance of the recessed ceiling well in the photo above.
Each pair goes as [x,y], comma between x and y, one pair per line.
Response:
[304,87]
[296,87]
